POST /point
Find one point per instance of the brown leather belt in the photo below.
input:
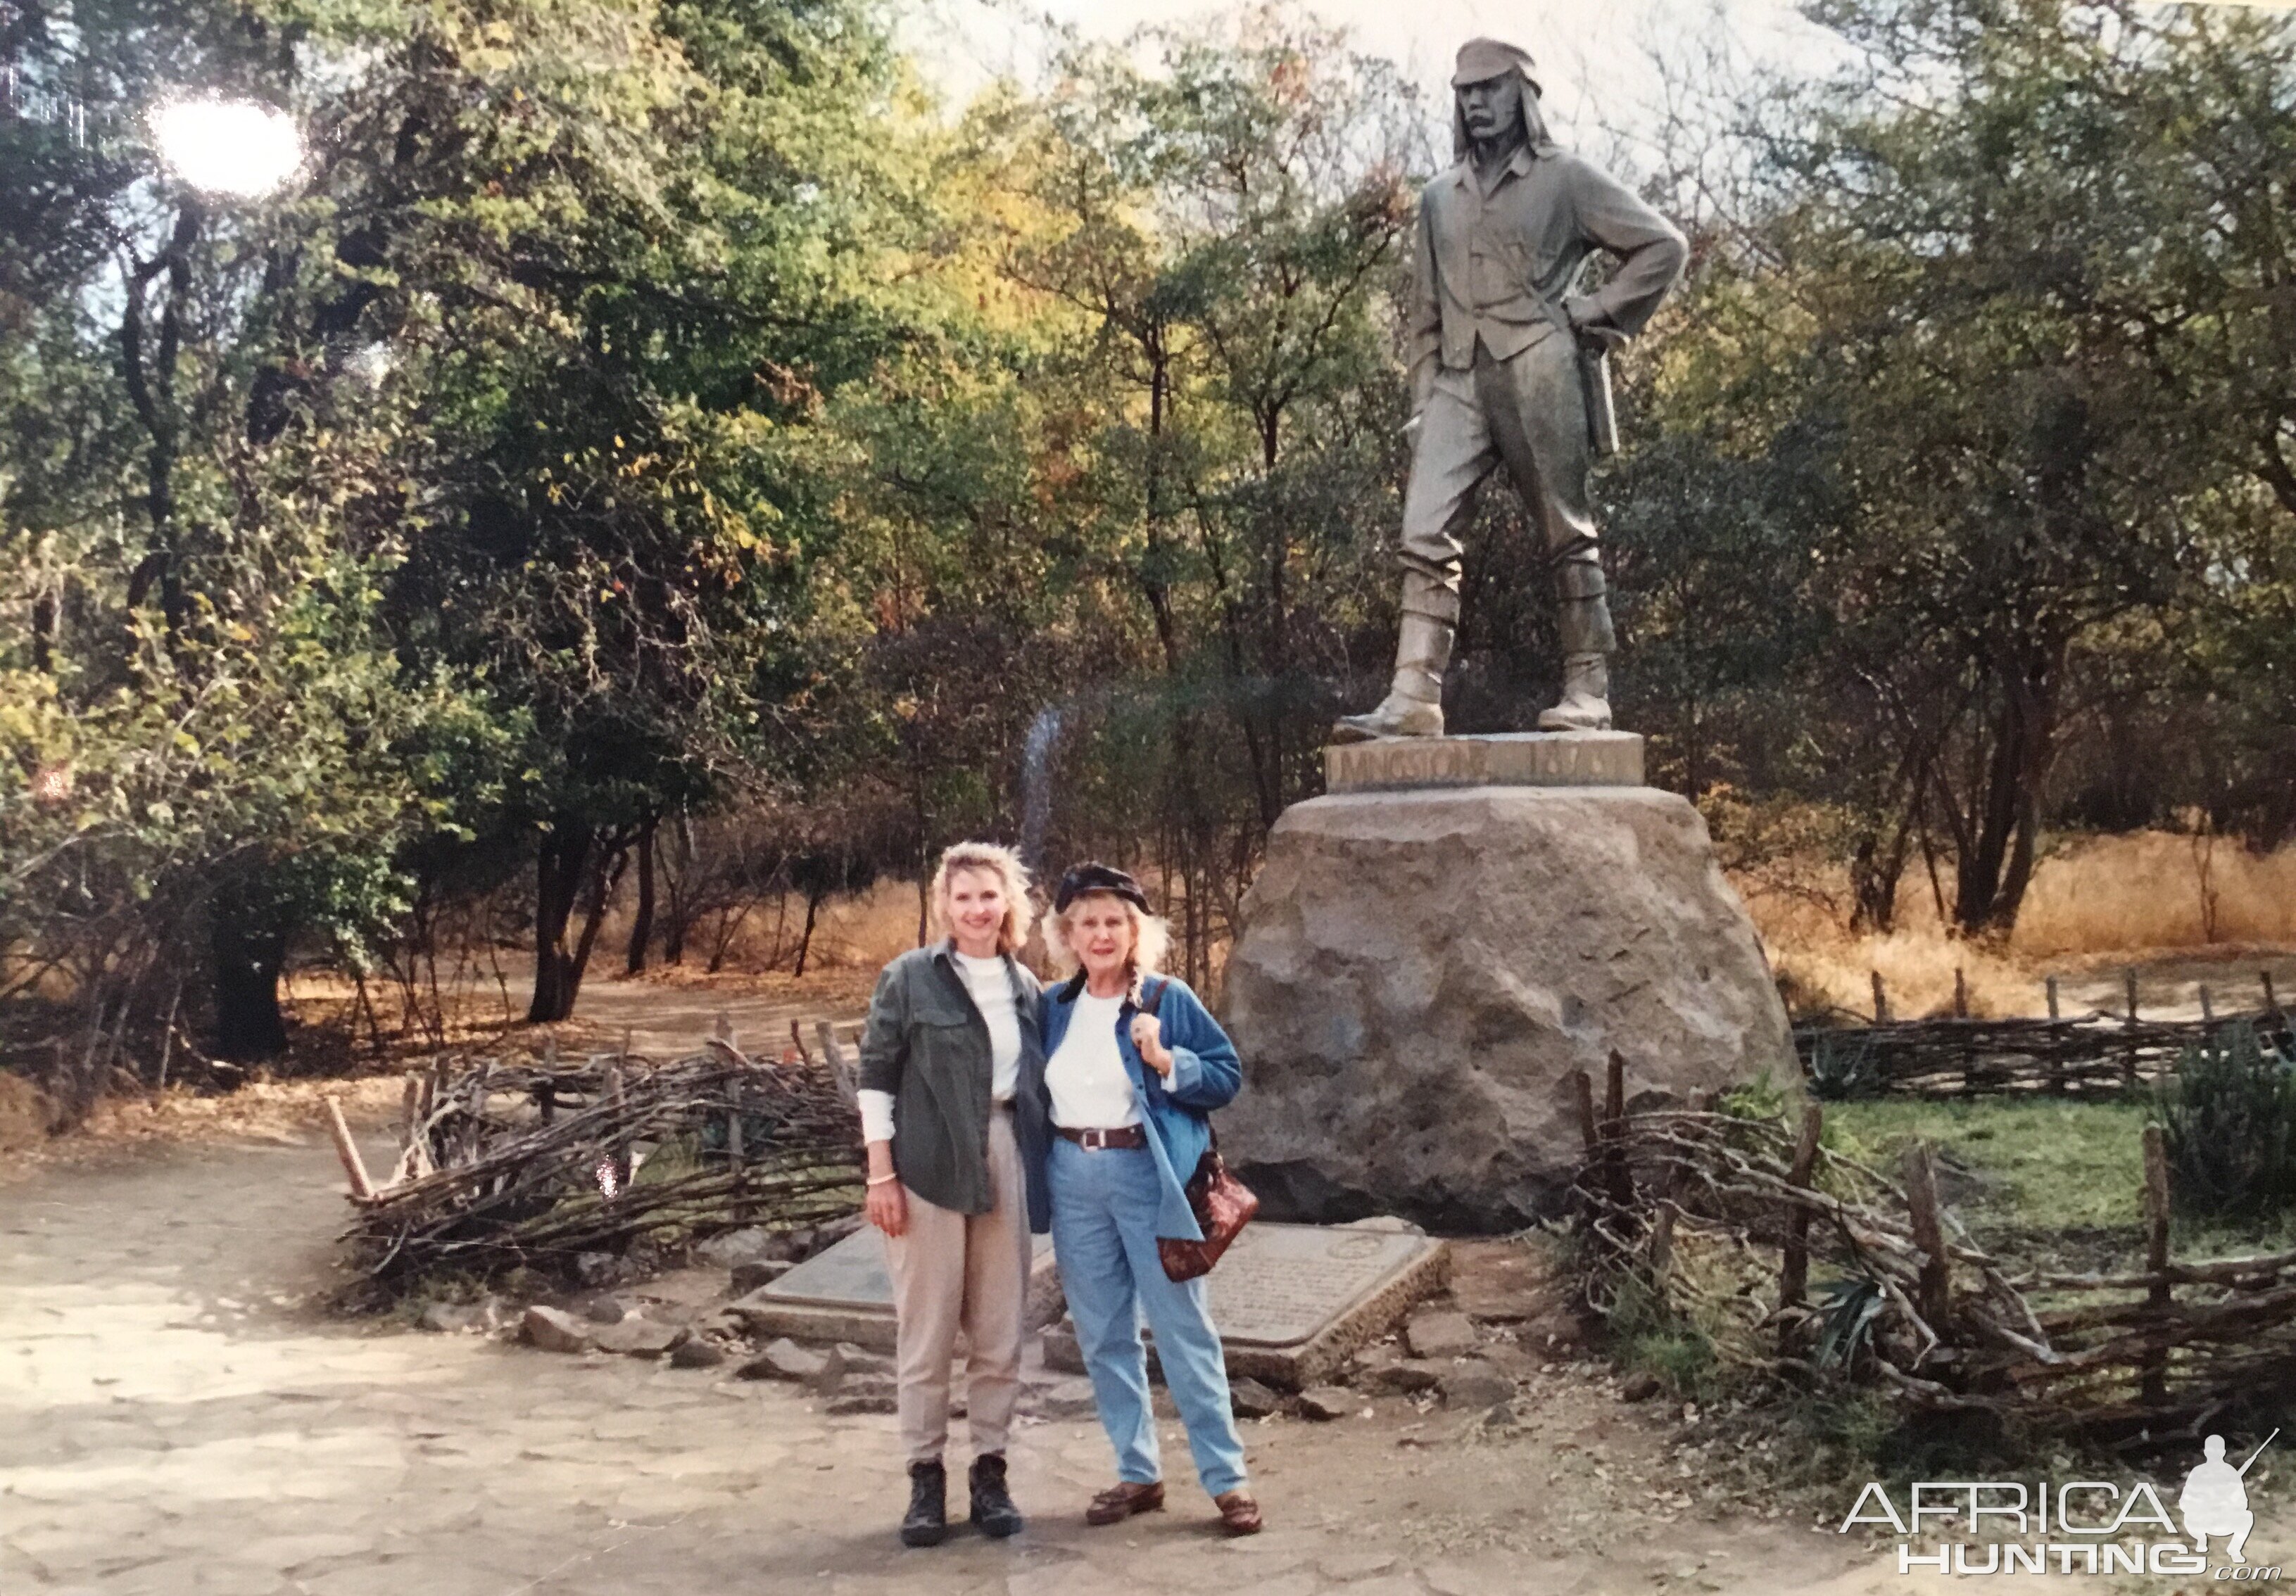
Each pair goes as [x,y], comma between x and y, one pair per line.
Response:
[1123,1135]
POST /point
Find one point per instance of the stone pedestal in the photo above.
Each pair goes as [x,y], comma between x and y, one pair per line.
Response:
[1420,972]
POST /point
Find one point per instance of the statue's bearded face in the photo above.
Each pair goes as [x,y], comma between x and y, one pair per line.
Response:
[1492,109]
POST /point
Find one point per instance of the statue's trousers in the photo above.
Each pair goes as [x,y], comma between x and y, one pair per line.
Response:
[1528,415]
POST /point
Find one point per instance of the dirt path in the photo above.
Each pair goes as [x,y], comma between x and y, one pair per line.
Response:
[176,1416]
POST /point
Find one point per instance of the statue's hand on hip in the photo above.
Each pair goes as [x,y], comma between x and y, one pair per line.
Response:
[1600,341]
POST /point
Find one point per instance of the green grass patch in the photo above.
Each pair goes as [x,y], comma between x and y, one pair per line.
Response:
[2021,1165]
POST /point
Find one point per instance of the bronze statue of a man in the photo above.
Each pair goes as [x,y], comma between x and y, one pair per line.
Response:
[1506,370]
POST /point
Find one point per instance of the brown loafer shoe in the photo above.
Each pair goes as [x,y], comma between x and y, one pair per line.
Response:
[1123,1499]
[1239,1513]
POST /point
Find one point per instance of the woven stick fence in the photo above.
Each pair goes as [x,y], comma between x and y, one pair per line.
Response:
[1729,1220]
[510,1164]
[1957,1055]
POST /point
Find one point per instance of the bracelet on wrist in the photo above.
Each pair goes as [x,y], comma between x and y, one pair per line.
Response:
[879,1180]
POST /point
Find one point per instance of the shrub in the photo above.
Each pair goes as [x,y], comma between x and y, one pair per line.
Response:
[2229,1117]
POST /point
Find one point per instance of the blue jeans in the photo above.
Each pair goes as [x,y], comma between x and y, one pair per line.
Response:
[1105,1237]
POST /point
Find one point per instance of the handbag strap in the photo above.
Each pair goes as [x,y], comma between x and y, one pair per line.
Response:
[1150,1005]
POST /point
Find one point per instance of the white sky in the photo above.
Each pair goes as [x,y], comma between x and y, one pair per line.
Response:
[1598,47]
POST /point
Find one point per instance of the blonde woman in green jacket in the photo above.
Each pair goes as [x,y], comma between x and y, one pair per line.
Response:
[953,1028]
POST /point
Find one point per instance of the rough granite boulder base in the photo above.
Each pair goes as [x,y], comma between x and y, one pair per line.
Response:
[1419,973]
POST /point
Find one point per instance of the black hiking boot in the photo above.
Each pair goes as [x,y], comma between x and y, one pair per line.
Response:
[928,1521]
[992,1512]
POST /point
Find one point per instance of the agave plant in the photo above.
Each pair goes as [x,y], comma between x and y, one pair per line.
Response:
[1846,1315]
[1842,1066]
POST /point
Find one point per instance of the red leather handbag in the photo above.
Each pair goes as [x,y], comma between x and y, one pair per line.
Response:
[1223,1205]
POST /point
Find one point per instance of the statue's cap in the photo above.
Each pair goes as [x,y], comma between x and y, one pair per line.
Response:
[1481,60]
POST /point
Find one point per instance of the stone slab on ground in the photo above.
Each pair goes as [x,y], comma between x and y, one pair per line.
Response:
[1440,1333]
[1294,1302]
[1421,974]
[1506,759]
[844,1293]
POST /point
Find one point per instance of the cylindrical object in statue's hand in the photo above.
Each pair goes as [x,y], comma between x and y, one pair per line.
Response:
[1601,417]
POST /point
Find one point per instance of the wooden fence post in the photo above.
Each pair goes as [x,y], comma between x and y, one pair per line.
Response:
[2056,1058]
[1880,1000]
[735,1155]
[2154,1388]
[2128,1059]
[347,1149]
[1934,1294]
[2208,1007]
[1960,992]
[1590,1136]
[1614,1130]
[1793,1278]
[2271,1002]
[833,1053]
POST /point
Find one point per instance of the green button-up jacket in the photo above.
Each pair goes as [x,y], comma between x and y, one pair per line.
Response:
[927,1045]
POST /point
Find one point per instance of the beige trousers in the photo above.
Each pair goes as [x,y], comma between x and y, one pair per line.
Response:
[956,1271]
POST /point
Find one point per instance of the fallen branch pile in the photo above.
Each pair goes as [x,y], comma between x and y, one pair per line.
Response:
[532,1164]
[1722,1220]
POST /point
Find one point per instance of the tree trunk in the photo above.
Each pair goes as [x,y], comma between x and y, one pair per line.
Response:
[605,875]
[642,924]
[559,861]
[1992,877]
[681,891]
[805,938]
[249,1026]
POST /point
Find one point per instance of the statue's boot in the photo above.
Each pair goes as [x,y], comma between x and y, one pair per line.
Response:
[1586,705]
[1583,622]
[1414,706]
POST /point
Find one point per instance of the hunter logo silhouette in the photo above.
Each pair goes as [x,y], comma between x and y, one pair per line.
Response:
[2215,1500]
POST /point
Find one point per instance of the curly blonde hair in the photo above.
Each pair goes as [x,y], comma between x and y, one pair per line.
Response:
[1005,864]
[1151,937]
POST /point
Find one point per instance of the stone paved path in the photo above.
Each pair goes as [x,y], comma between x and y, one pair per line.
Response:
[177,1417]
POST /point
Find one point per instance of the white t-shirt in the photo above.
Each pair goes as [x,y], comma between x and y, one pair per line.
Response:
[992,994]
[1091,1089]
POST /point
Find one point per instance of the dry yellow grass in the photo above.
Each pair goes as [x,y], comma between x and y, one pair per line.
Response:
[2100,902]
[2147,889]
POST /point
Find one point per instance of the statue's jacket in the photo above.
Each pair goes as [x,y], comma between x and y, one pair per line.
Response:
[1500,264]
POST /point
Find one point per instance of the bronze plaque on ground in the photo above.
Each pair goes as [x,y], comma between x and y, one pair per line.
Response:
[844,1294]
[1293,1302]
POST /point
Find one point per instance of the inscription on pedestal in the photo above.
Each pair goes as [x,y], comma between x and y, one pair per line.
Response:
[1506,759]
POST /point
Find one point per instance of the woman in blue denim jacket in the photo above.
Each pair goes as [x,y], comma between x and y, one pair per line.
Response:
[1132,1066]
